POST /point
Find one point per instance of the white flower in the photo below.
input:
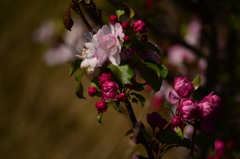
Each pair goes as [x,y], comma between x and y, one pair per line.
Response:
[105,45]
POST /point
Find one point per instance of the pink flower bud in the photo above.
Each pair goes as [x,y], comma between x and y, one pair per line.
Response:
[219,147]
[109,90]
[231,144]
[177,121]
[208,127]
[209,107]
[187,108]
[126,39]
[104,77]
[183,87]
[113,19]
[139,26]
[125,25]
[101,106]
[122,97]
[92,91]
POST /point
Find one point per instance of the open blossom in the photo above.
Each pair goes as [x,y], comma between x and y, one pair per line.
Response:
[187,108]
[105,45]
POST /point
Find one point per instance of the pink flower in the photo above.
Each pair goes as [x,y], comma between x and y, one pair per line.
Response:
[209,107]
[109,90]
[122,97]
[187,108]
[104,77]
[105,45]
[177,121]
[113,19]
[208,127]
[173,97]
[219,147]
[92,91]
[101,106]
[125,25]
[183,87]
[109,45]
[139,26]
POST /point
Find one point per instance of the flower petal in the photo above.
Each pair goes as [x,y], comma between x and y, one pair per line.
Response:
[173,97]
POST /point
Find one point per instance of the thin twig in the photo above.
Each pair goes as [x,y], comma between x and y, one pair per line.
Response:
[100,16]
[134,122]
[193,140]
[78,10]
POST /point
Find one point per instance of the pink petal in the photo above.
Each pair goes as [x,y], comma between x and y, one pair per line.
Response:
[173,97]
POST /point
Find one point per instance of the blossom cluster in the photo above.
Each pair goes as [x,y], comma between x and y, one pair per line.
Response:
[189,110]
[106,44]
[109,91]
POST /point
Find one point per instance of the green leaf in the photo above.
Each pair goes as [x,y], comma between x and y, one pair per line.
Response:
[140,98]
[95,83]
[167,105]
[149,74]
[79,87]
[131,11]
[79,91]
[222,129]
[139,86]
[120,11]
[179,132]
[139,46]
[123,73]
[99,117]
[196,82]
[134,100]
[152,47]
[116,106]
[169,136]
[164,71]
[74,67]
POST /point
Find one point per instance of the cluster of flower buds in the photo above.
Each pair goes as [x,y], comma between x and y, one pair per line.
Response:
[189,110]
[109,91]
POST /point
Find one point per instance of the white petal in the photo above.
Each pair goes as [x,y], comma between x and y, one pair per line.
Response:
[115,59]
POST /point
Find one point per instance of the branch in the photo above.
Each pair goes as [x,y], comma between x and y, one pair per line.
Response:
[193,140]
[142,138]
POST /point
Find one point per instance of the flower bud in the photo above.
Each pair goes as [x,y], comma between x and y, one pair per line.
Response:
[177,121]
[113,19]
[139,26]
[209,107]
[219,147]
[104,77]
[126,39]
[183,87]
[208,127]
[101,106]
[122,97]
[231,144]
[109,90]
[125,25]
[187,108]
[92,91]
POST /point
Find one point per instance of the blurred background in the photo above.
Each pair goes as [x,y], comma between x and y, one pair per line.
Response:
[40,116]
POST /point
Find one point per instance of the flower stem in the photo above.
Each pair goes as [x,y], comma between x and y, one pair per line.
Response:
[134,122]
[193,140]
[75,6]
